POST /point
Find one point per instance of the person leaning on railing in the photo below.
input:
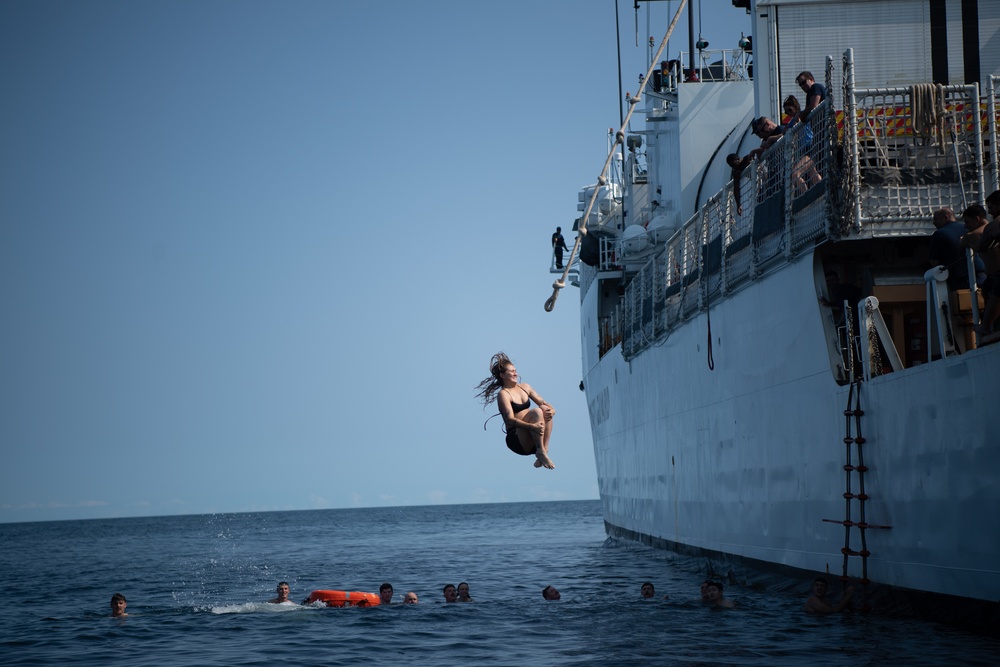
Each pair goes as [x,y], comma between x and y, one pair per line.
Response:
[769,132]
[804,174]
[738,165]
[982,238]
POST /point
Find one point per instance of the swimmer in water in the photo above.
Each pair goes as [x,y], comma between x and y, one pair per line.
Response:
[282,590]
[713,590]
[463,593]
[818,603]
[118,605]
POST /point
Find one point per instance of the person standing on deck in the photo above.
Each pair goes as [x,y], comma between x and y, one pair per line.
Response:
[815,93]
[559,245]
[977,237]
[946,250]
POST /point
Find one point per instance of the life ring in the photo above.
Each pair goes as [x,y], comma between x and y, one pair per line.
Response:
[344,598]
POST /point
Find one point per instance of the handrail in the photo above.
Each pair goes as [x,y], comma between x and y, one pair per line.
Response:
[938,315]
[872,326]
[718,251]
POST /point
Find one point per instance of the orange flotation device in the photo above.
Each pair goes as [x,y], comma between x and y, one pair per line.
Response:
[344,598]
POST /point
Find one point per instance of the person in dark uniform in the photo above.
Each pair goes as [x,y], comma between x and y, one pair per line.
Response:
[559,244]
[945,249]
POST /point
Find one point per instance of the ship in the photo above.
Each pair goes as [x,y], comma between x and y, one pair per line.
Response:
[743,409]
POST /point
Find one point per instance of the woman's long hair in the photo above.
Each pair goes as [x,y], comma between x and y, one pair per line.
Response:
[488,388]
[792,101]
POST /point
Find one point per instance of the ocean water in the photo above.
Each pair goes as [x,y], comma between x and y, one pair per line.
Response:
[196,587]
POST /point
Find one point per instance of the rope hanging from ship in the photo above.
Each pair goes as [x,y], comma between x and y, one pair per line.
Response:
[927,101]
[560,283]
[708,318]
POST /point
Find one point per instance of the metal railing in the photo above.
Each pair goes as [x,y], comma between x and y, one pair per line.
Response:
[713,65]
[912,151]
[893,177]
[784,208]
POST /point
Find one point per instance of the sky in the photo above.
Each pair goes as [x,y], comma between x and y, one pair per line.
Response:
[257,255]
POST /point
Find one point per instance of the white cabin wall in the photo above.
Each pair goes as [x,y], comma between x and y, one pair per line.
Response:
[638,205]
[589,334]
[663,156]
[711,113]
[765,58]
[956,65]
[708,114]
[989,41]
[806,31]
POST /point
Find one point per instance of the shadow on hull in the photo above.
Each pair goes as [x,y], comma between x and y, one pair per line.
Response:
[977,616]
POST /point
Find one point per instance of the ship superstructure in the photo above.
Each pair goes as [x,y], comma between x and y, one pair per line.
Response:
[734,413]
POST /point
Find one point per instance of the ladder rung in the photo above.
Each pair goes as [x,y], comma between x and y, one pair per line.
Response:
[856,524]
[864,553]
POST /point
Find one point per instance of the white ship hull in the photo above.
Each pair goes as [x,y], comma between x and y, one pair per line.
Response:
[716,370]
[747,459]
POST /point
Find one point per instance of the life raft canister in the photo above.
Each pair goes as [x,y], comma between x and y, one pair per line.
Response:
[344,598]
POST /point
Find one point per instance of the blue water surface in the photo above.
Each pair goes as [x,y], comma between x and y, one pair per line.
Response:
[197,586]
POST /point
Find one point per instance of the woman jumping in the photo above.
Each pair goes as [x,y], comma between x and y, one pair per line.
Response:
[528,429]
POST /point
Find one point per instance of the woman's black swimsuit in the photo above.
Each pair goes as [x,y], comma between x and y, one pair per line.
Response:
[513,442]
[518,407]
